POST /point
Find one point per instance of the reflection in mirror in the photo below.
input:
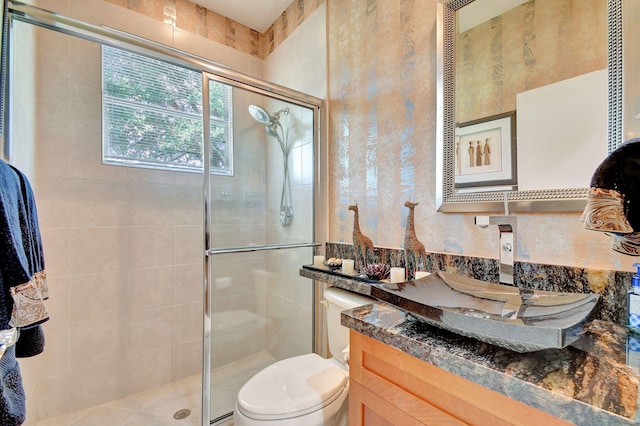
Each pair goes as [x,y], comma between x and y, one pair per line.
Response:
[544,64]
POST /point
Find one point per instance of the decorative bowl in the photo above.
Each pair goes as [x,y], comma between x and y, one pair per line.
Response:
[333,263]
[377,271]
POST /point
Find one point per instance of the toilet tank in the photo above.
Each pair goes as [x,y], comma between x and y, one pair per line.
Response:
[337,301]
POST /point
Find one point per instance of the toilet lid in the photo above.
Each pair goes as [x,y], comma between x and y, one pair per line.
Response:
[292,387]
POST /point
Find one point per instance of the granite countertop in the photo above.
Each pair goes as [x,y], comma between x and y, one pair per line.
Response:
[590,382]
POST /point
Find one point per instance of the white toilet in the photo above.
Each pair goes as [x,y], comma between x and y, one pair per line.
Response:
[305,390]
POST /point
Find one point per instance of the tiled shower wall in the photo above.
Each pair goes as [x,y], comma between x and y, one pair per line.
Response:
[123,246]
[299,63]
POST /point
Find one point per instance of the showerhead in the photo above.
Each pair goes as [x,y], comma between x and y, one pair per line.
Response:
[272,122]
[260,114]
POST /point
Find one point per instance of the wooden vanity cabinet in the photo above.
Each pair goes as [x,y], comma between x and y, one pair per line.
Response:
[389,387]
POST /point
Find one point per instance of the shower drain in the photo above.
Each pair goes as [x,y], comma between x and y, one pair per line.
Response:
[181,414]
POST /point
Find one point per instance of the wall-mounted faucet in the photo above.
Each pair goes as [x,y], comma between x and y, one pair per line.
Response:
[507,227]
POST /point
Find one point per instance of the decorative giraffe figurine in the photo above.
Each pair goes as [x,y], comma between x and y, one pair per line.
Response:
[414,252]
[361,243]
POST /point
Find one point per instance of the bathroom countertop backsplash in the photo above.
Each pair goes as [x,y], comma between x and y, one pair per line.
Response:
[611,285]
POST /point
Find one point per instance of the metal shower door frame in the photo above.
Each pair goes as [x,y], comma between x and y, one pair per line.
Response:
[271,91]
[210,71]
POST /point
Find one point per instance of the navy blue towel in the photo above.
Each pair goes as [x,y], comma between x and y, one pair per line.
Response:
[21,262]
[30,342]
[12,398]
[15,266]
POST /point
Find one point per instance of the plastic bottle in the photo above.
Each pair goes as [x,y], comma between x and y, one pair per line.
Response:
[633,299]
[633,309]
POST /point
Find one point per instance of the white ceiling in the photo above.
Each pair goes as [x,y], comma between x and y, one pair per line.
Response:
[255,14]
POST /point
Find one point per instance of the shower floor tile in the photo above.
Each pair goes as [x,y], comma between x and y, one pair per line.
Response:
[156,407]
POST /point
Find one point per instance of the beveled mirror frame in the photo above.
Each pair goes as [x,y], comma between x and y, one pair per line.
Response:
[565,199]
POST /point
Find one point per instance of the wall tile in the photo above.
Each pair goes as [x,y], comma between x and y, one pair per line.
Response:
[59,311]
[53,63]
[192,43]
[85,60]
[99,12]
[153,246]
[189,179]
[152,205]
[149,28]
[189,205]
[188,359]
[53,104]
[98,203]
[56,248]
[188,244]
[85,159]
[58,6]
[188,322]
[149,175]
[53,396]
[52,159]
[188,283]
[95,296]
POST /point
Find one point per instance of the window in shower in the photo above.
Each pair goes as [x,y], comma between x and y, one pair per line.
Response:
[152,115]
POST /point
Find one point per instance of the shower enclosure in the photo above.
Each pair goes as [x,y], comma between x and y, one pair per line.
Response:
[163,278]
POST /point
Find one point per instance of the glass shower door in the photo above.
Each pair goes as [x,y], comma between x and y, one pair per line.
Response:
[259,230]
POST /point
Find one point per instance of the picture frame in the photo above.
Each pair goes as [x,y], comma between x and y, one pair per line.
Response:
[485,152]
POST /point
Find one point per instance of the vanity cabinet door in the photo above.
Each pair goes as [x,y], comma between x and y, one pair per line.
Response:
[386,383]
[367,408]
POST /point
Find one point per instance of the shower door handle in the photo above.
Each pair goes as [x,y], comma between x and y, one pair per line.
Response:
[247,249]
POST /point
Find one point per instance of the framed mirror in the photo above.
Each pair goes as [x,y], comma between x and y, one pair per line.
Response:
[529,102]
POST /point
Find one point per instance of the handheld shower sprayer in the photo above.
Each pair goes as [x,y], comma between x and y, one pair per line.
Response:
[272,124]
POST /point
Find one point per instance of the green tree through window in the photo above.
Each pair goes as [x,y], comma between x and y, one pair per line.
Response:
[152,114]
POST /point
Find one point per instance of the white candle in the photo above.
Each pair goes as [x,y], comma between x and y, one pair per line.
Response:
[421,274]
[318,261]
[397,275]
[347,266]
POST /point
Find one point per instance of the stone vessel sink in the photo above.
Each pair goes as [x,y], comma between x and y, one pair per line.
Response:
[517,319]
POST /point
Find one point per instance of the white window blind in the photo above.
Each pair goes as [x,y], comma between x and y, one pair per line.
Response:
[152,115]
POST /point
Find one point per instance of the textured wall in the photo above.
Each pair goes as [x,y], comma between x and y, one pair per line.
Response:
[382,99]
[382,109]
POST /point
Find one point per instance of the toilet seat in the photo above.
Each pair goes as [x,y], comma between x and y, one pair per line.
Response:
[292,387]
